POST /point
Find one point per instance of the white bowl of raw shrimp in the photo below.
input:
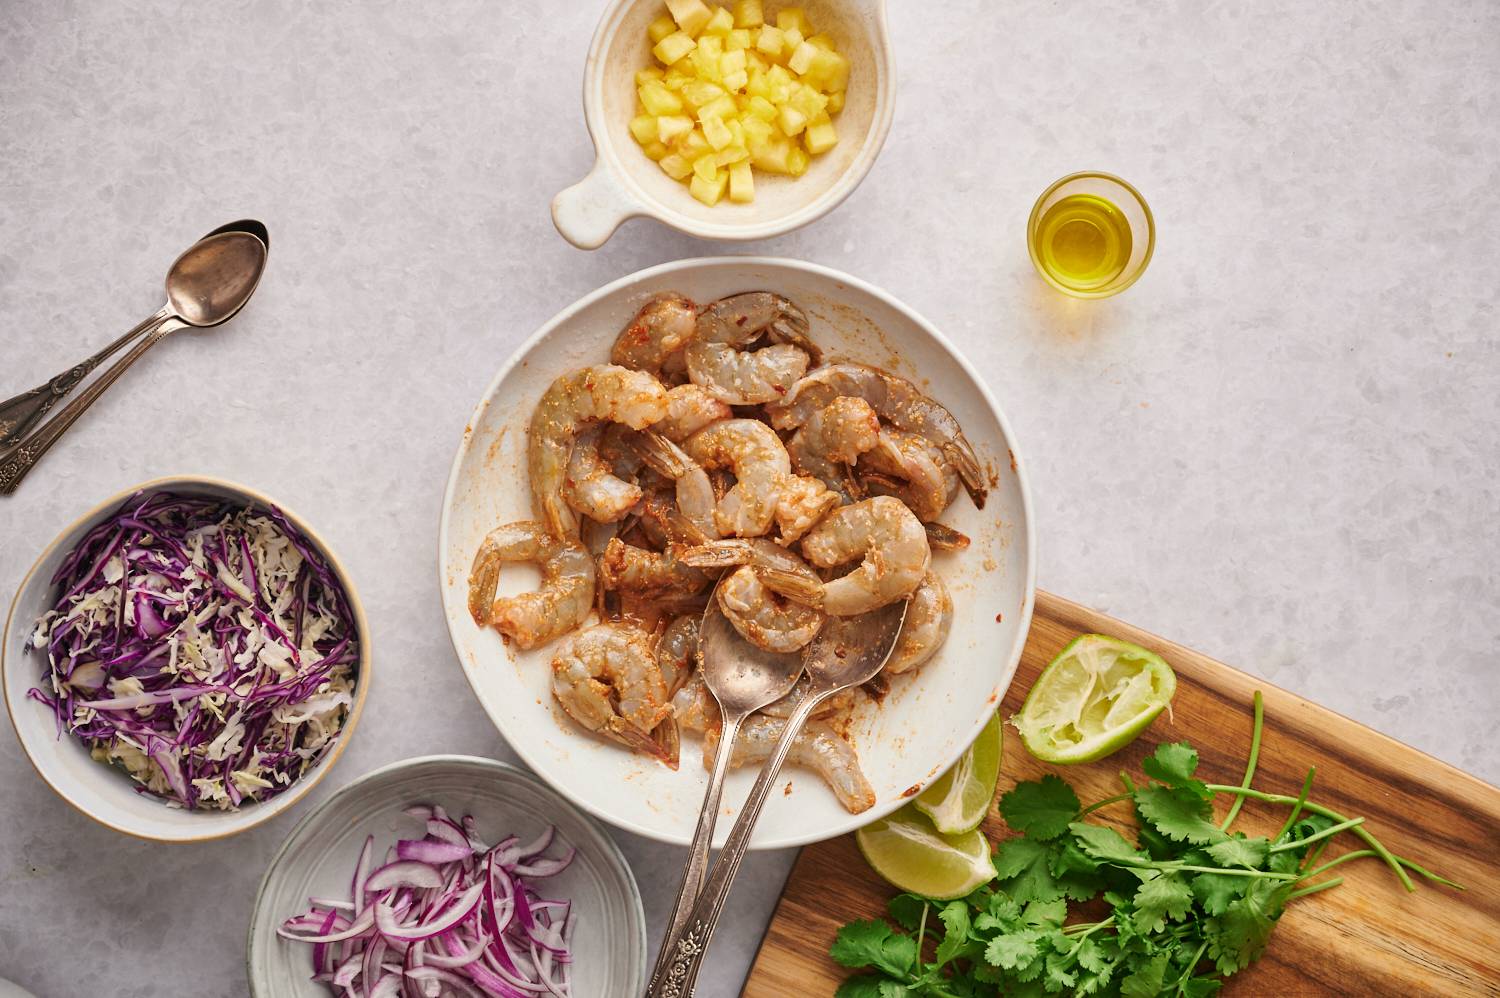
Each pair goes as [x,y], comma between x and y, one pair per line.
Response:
[929,714]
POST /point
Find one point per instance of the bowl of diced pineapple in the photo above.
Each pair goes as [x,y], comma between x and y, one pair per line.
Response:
[736,121]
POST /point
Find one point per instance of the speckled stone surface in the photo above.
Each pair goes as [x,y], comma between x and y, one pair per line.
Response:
[1280,447]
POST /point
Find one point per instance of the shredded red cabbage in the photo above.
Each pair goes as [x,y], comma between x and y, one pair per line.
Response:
[465,921]
[202,646]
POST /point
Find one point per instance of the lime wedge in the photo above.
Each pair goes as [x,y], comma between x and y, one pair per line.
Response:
[959,799]
[1094,698]
[906,850]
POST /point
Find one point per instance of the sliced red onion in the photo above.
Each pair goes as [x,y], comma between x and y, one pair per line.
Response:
[402,873]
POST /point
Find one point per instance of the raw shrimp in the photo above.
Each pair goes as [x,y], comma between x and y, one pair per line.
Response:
[695,493]
[605,392]
[694,706]
[928,617]
[833,439]
[910,468]
[606,678]
[592,487]
[896,401]
[653,574]
[760,465]
[762,617]
[802,502]
[657,335]
[677,651]
[689,409]
[717,357]
[895,551]
[839,706]
[818,746]
[533,618]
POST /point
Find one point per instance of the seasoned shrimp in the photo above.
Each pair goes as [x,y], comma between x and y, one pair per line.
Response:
[689,409]
[895,551]
[833,439]
[760,465]
[606,678]
[818,747]
[695,493]
[602,393]
[762,616]
[922,479]
[653,574]
[839,706]
[717,357]
[928,617]
[655,338]
[592,487]
[803,501]
[533,618]
[694,706]
[896,401]
[677,651]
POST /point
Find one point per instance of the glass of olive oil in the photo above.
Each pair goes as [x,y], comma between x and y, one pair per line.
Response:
[1091,235]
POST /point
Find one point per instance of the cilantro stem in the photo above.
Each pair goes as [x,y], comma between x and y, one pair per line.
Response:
[1315,888]
[1226,871]
[1429,874]
[1192,965]
[1255,730]
[1370,840]
[1325,833]
[1356,854]
[1103,803]
[1291,819]
[1088,930]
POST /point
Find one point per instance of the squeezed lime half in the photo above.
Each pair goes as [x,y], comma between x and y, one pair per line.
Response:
[908,851]
[959,799]
[1094,698]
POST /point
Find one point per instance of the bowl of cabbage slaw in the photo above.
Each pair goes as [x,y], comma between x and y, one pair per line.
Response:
[185,661]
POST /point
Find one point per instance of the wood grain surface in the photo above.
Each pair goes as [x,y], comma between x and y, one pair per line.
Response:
[1367,937]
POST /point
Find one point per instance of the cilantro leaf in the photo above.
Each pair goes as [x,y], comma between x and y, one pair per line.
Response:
[1249,853]
[1178,814]
[1025,869]
[1174,765]
[863,986]
[873,943]
[1238,936]
[1163,897]
[1040,809]
[955,919]
[1045,914]
[1145,981]
[1102,842]
[1214,891]
[907,909]
[1014,950]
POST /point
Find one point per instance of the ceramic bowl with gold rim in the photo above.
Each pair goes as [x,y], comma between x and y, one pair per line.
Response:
[104,791]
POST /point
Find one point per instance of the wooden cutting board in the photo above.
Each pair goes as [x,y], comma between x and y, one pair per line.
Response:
[1367,937]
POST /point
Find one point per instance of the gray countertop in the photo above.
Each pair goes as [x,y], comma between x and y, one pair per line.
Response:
[1280,447]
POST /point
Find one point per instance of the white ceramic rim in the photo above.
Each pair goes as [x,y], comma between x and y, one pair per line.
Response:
[645,206]
[288,798]
[611,847]
[880,810]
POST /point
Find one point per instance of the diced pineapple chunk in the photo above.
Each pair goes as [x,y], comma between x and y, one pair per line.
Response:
[829,72]
[732,62]
[717,133]
[648,75]
[720,24]
[808,101]
[674,166]
[790,39]
[700,92]
[658,100]
[791,19]
[821,41]
[835,102]
[802,59]
[736,81]
[643,127]
[708,191]
[690,15]
[660,28]
[656,150]
[712,46]
[819,136]
[676,79]
[730,155]
[720,107]
[748,14]
[693,145]
[791,120]
[755,62]
[770,41]
[796,162]
[673,47]
[757,132]
[738,40]
[671,127]
[761,108]
[772,157]
[706,166]
[741,184]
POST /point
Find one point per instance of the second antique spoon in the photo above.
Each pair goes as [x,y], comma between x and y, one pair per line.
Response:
[207,285]
[743,679]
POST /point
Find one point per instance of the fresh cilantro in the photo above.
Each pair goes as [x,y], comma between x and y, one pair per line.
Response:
[1188,906]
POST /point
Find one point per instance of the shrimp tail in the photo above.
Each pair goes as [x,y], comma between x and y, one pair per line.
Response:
[668,739]
[484,579]
[944,538]
[964,460]
[660,454]
[644,743]
[794,586]
[717,554]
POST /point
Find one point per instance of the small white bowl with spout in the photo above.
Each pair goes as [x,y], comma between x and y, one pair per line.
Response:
[624,183]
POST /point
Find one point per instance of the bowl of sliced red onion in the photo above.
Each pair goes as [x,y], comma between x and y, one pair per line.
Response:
[185,661]
[448,875]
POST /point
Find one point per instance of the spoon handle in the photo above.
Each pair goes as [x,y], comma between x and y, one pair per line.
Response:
[703,835]
[689,946]
[23,456]
[19,414]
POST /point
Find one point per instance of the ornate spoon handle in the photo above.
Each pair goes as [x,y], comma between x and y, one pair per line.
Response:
[703,835]
[16,463]
[19,414]
[689,946]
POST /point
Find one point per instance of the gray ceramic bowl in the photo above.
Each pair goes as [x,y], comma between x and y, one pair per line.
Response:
[609,941]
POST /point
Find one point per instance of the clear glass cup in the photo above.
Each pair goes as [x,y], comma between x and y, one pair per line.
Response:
[1091,235]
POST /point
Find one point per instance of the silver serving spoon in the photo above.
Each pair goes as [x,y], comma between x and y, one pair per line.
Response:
[19,414]
[206,286]
[847,652]
[743,679]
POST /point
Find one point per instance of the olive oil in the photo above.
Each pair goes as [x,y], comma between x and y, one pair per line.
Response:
[1082,242]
